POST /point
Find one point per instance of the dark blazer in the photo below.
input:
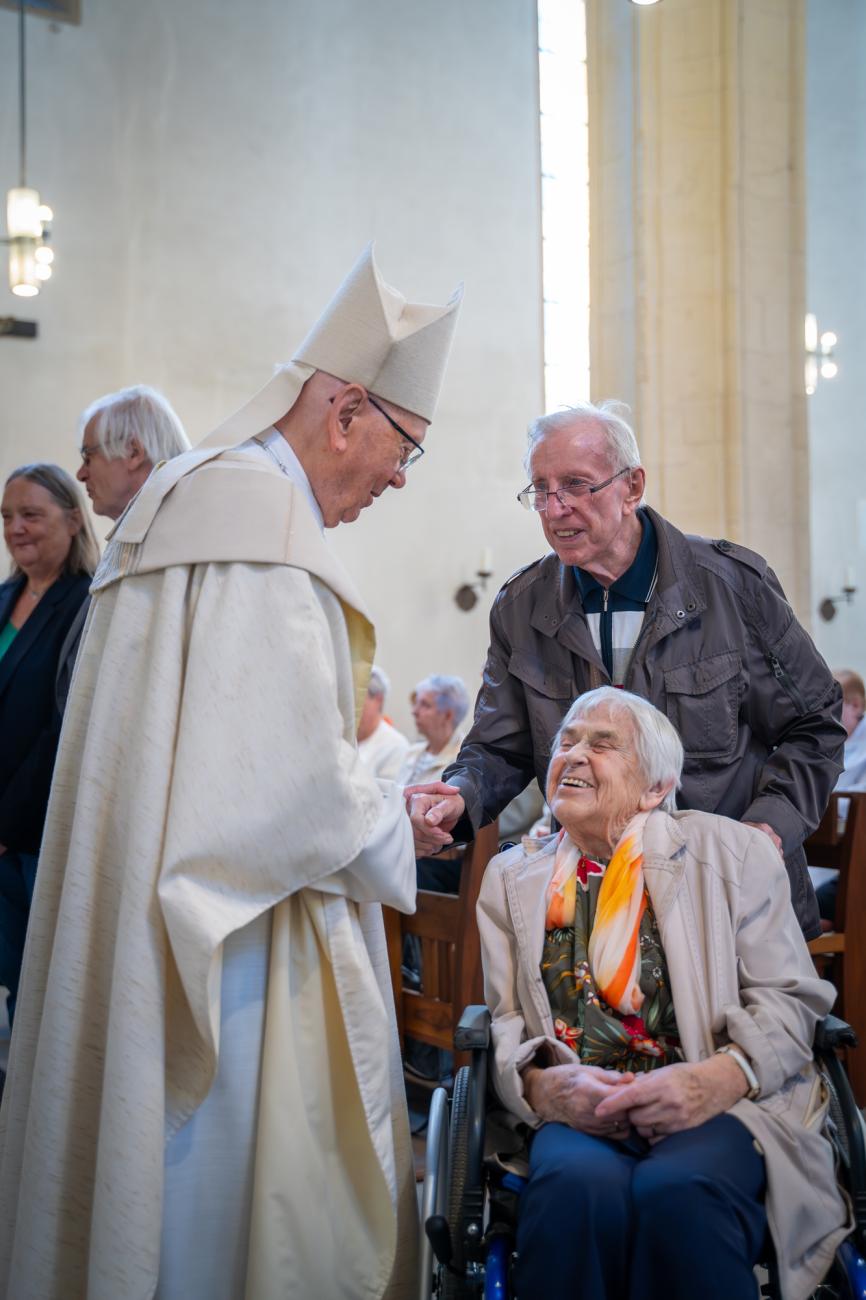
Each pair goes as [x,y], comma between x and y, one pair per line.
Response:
[29,718]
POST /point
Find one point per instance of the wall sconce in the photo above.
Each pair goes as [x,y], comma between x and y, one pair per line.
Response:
[20,329]
[467,596]
[827,608]
[27,219]
[819,362]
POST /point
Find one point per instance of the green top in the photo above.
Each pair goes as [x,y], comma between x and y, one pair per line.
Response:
[7,636]
[596,1032]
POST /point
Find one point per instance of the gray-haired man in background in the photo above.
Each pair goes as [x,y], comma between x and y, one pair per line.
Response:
[123,435]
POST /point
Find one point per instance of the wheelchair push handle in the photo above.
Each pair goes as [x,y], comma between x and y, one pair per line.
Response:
[473,1030]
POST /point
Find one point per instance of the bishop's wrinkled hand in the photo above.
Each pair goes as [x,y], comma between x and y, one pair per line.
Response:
[434,810]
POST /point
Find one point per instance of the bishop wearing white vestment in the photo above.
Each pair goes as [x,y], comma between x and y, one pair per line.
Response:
[204,1098]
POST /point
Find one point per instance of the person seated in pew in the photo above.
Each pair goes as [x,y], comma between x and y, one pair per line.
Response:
[439,705]
[381,747]
[653,1009]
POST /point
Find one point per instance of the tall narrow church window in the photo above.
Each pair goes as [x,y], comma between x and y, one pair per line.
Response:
[564,199]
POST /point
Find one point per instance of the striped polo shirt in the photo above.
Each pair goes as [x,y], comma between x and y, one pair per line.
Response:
[615,614]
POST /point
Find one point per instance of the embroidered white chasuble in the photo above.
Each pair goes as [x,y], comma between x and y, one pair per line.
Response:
[209,800]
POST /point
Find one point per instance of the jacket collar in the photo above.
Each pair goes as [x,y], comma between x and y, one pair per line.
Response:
[9,593]
[664,842]
[664,858]
[681,592]
[36,623]
[557,610]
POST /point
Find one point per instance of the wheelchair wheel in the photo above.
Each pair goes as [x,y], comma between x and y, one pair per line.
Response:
[458,1288]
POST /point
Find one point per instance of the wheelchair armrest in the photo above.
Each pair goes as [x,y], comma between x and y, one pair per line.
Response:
[473,1031]
[833,1033]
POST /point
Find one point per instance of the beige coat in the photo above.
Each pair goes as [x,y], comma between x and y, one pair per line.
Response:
[208,775]
[740,972]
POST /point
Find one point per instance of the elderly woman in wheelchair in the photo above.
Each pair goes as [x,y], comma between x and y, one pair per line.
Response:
[653,1011]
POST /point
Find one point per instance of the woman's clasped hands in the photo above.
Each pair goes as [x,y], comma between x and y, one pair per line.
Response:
[572,1094]
[608,1104]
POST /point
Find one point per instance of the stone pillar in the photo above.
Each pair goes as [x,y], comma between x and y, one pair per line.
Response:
[698,262]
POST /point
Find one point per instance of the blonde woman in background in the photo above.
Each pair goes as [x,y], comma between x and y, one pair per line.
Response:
[54,555]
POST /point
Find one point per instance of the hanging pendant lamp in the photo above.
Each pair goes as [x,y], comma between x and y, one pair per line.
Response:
[27,218]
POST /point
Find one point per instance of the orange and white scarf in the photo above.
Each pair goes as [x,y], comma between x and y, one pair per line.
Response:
[614,945]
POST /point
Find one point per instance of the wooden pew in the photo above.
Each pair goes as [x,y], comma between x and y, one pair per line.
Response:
[841,954]
[450,953]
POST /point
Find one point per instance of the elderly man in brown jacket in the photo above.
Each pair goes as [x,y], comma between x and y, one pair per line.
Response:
[699,627]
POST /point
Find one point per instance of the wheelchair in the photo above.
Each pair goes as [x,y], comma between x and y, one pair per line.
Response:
[469,1212]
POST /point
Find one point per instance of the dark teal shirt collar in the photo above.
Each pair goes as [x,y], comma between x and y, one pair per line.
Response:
[635,586]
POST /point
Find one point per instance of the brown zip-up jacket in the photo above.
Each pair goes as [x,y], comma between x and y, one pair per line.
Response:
[720,652]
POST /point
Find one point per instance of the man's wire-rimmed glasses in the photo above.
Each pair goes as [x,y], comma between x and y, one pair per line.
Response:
[408,457]
[571,493]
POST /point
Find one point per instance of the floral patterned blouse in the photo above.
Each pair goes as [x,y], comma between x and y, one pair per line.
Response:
[597,1033]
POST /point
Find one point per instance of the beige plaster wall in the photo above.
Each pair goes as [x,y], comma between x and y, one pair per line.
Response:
[696,136]
[215,168]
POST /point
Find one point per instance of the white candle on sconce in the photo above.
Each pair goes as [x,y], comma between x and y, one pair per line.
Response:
[850,583]
[486,565]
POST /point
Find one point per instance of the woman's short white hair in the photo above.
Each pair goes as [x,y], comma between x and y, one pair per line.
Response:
[450,693]
[609,415]
[379,684]
[659,748]
[141,413]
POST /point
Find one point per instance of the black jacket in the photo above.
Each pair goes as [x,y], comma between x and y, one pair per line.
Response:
[720,653]
[29,719]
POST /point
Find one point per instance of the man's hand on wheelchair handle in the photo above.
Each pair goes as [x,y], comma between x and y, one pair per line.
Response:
[571,1094]
[770,833]
[433,810]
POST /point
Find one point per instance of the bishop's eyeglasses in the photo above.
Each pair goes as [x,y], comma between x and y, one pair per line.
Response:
[571,493]
[407,457]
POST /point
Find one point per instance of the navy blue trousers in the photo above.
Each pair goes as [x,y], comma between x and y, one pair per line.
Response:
[603,1220]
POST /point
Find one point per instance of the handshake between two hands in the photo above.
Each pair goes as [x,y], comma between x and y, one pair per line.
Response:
[605,1103]
[434,811]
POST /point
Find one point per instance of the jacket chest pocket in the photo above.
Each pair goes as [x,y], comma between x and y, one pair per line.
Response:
[702,700]
[548,691]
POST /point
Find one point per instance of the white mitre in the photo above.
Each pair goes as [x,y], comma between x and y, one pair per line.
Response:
[368,334]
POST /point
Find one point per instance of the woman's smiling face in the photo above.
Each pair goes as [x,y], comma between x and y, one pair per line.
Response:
[595,782]
[36,528]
